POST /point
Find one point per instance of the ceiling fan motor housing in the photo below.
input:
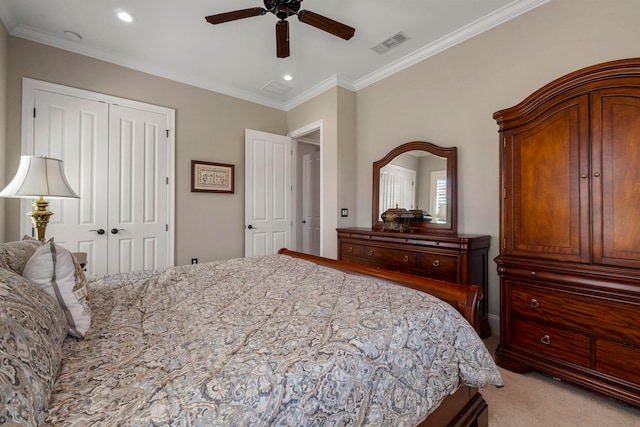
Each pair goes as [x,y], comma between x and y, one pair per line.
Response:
[282,8]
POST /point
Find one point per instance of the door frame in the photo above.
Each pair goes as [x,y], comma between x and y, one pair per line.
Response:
[296,177]
[29,86]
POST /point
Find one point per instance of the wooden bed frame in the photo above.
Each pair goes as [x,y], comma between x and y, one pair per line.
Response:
[466,407]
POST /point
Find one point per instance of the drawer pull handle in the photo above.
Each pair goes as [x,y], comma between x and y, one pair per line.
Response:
[406,258]
[535,303]
[350,249]
[371,252]
[546,340]
[533,273]
[436,263]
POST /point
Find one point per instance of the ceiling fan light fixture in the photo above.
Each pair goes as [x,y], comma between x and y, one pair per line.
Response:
[283,9]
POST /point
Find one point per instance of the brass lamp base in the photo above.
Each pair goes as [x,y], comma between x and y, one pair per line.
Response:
[40,216]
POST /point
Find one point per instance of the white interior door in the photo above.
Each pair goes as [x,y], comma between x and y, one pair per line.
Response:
[311,203]
[119,160]
[267,193]
[76,131]
[137,229]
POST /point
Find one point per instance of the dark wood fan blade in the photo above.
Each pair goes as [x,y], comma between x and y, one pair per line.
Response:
[236,14]
[282,38]
[329,25]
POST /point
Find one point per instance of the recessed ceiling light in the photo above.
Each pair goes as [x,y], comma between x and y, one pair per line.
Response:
[73,36]
[125,16]
[287,77]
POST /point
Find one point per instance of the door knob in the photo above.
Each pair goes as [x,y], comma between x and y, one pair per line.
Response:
[116,230]
[249,226]
[99,231]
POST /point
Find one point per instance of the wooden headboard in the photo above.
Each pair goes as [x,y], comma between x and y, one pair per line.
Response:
[465,299]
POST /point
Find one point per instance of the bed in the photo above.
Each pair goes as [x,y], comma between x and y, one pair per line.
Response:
[284,340]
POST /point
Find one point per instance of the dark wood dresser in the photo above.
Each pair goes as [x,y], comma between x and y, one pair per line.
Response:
[453,258]
[569,262]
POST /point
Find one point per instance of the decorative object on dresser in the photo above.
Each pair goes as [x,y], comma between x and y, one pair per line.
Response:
[569,262]
[432,248]
[397,219]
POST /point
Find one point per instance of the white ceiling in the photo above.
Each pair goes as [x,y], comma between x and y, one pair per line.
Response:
[171,39]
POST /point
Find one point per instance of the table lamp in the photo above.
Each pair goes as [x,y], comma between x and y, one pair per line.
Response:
[40,177]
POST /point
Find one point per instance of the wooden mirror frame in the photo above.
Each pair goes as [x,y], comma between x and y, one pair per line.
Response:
[449,153]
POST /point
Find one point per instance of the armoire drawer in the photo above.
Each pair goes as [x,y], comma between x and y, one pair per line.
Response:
[391,258]
[551,341]
[438,266]
[619,360]
[594,315]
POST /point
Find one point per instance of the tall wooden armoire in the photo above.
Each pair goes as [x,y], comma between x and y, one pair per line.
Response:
[569,262]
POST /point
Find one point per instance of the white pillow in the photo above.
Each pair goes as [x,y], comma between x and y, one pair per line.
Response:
[53,269]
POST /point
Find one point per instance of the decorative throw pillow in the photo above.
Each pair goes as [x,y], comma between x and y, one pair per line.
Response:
[32,329]
[14,255]
[54,269]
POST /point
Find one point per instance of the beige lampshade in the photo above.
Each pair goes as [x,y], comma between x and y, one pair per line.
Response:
[39,177]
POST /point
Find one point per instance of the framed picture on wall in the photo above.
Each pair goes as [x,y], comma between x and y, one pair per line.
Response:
[211,177]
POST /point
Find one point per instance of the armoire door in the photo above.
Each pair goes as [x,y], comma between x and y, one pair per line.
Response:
[616,176]
[546,193]
[116,158]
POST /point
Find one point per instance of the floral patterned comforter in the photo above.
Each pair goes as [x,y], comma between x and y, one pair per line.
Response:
[268,340]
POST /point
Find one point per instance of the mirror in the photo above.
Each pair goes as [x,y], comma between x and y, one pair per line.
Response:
[418,175]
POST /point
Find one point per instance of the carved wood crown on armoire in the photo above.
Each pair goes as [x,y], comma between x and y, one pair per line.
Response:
[569,262]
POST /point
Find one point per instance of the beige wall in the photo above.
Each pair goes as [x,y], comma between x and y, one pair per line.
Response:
[449,99]
[4,50]
[209,127]
[323,107]
[347,161]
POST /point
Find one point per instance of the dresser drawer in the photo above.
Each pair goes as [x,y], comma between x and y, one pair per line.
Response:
[619,360]
[438,266]
[348,249]
[390,257]
[593,315]
[551,341]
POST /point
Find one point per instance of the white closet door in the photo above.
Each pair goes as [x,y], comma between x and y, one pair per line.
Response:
[137,183]
[76,131]
[119,159]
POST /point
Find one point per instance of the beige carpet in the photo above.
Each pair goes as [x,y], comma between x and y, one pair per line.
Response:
[536,400]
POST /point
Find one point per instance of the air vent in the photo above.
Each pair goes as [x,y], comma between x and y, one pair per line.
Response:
[276,88]
[390,43]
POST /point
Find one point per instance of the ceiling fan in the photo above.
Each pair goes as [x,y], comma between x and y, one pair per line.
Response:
[283,9]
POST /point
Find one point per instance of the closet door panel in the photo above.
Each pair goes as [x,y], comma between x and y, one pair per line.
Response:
[75,130]
[616,159]
[137,174]
[546,192]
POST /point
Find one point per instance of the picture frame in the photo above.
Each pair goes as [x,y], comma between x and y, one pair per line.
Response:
[209,177]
